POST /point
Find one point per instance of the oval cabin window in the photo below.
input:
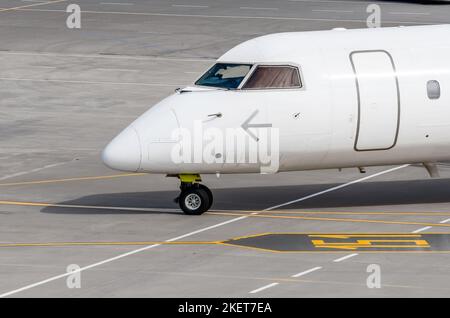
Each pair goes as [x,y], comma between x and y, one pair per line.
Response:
[434,89]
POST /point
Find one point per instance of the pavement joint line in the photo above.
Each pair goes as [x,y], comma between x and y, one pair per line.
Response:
[70,179]
[88,82]
[333,11]
[235,17]
[30,5]
[131,57]
[410,13]
[257,8]
[118,3]
[123,255]
[17,174]
[189,6]
[93,207]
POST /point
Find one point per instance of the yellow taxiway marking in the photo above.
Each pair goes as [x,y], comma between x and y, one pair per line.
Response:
[370,244]
[72,179]
[347,236]
[329,219]
[92,207]
[263,215]
[31,5]
[337,251]
[336,212]
[339,248]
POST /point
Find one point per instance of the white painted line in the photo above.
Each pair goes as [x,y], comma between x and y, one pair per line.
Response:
[263,288]
[337,260]
[114,258]
[336,188]
[187,235]
[410,13]
[307,271]
[445,221]
[256,8]
[333,11]
[31,171]
[88,82]
[188,6]
[422,229]
[206,229]
[118,3]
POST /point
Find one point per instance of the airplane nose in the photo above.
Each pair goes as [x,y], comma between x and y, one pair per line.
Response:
[124,151]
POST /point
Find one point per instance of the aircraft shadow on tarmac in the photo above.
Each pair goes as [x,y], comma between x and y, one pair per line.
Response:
[258,198]
[425,2]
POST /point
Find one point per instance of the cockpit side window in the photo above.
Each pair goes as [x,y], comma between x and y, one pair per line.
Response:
[223,75]
[274,76]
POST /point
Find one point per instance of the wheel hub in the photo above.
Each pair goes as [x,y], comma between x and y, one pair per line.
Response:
[193,201]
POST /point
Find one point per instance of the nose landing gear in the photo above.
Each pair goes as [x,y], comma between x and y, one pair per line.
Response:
[195,198]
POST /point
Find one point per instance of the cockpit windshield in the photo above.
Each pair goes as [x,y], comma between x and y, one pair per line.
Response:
[224,75]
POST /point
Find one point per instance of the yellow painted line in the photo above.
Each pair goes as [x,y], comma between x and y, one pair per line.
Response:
[31,5]
[254,248]
[347,236]
[72,179]
[337,212]
[228,243]
[330,219]
[344,235]
[62,244]
[25,203]
[362,213]
[45,204]
[93,207]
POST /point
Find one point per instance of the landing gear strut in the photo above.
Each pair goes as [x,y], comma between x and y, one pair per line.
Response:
[195,198]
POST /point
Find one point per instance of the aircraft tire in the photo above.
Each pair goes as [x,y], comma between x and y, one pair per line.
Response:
[194,201]
[210,195]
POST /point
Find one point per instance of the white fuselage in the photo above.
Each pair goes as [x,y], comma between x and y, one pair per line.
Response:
[368,97]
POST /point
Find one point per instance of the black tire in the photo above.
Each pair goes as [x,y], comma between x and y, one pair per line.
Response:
[210,195]
[194,201]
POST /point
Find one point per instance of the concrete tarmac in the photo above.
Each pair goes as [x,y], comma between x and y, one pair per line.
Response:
[65,93]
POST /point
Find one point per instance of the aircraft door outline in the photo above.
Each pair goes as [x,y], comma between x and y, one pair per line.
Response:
[376,67]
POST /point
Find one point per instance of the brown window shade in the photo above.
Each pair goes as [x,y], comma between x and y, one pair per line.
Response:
[274,77]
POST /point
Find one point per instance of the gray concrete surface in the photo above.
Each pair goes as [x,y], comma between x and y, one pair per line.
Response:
[66,93]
